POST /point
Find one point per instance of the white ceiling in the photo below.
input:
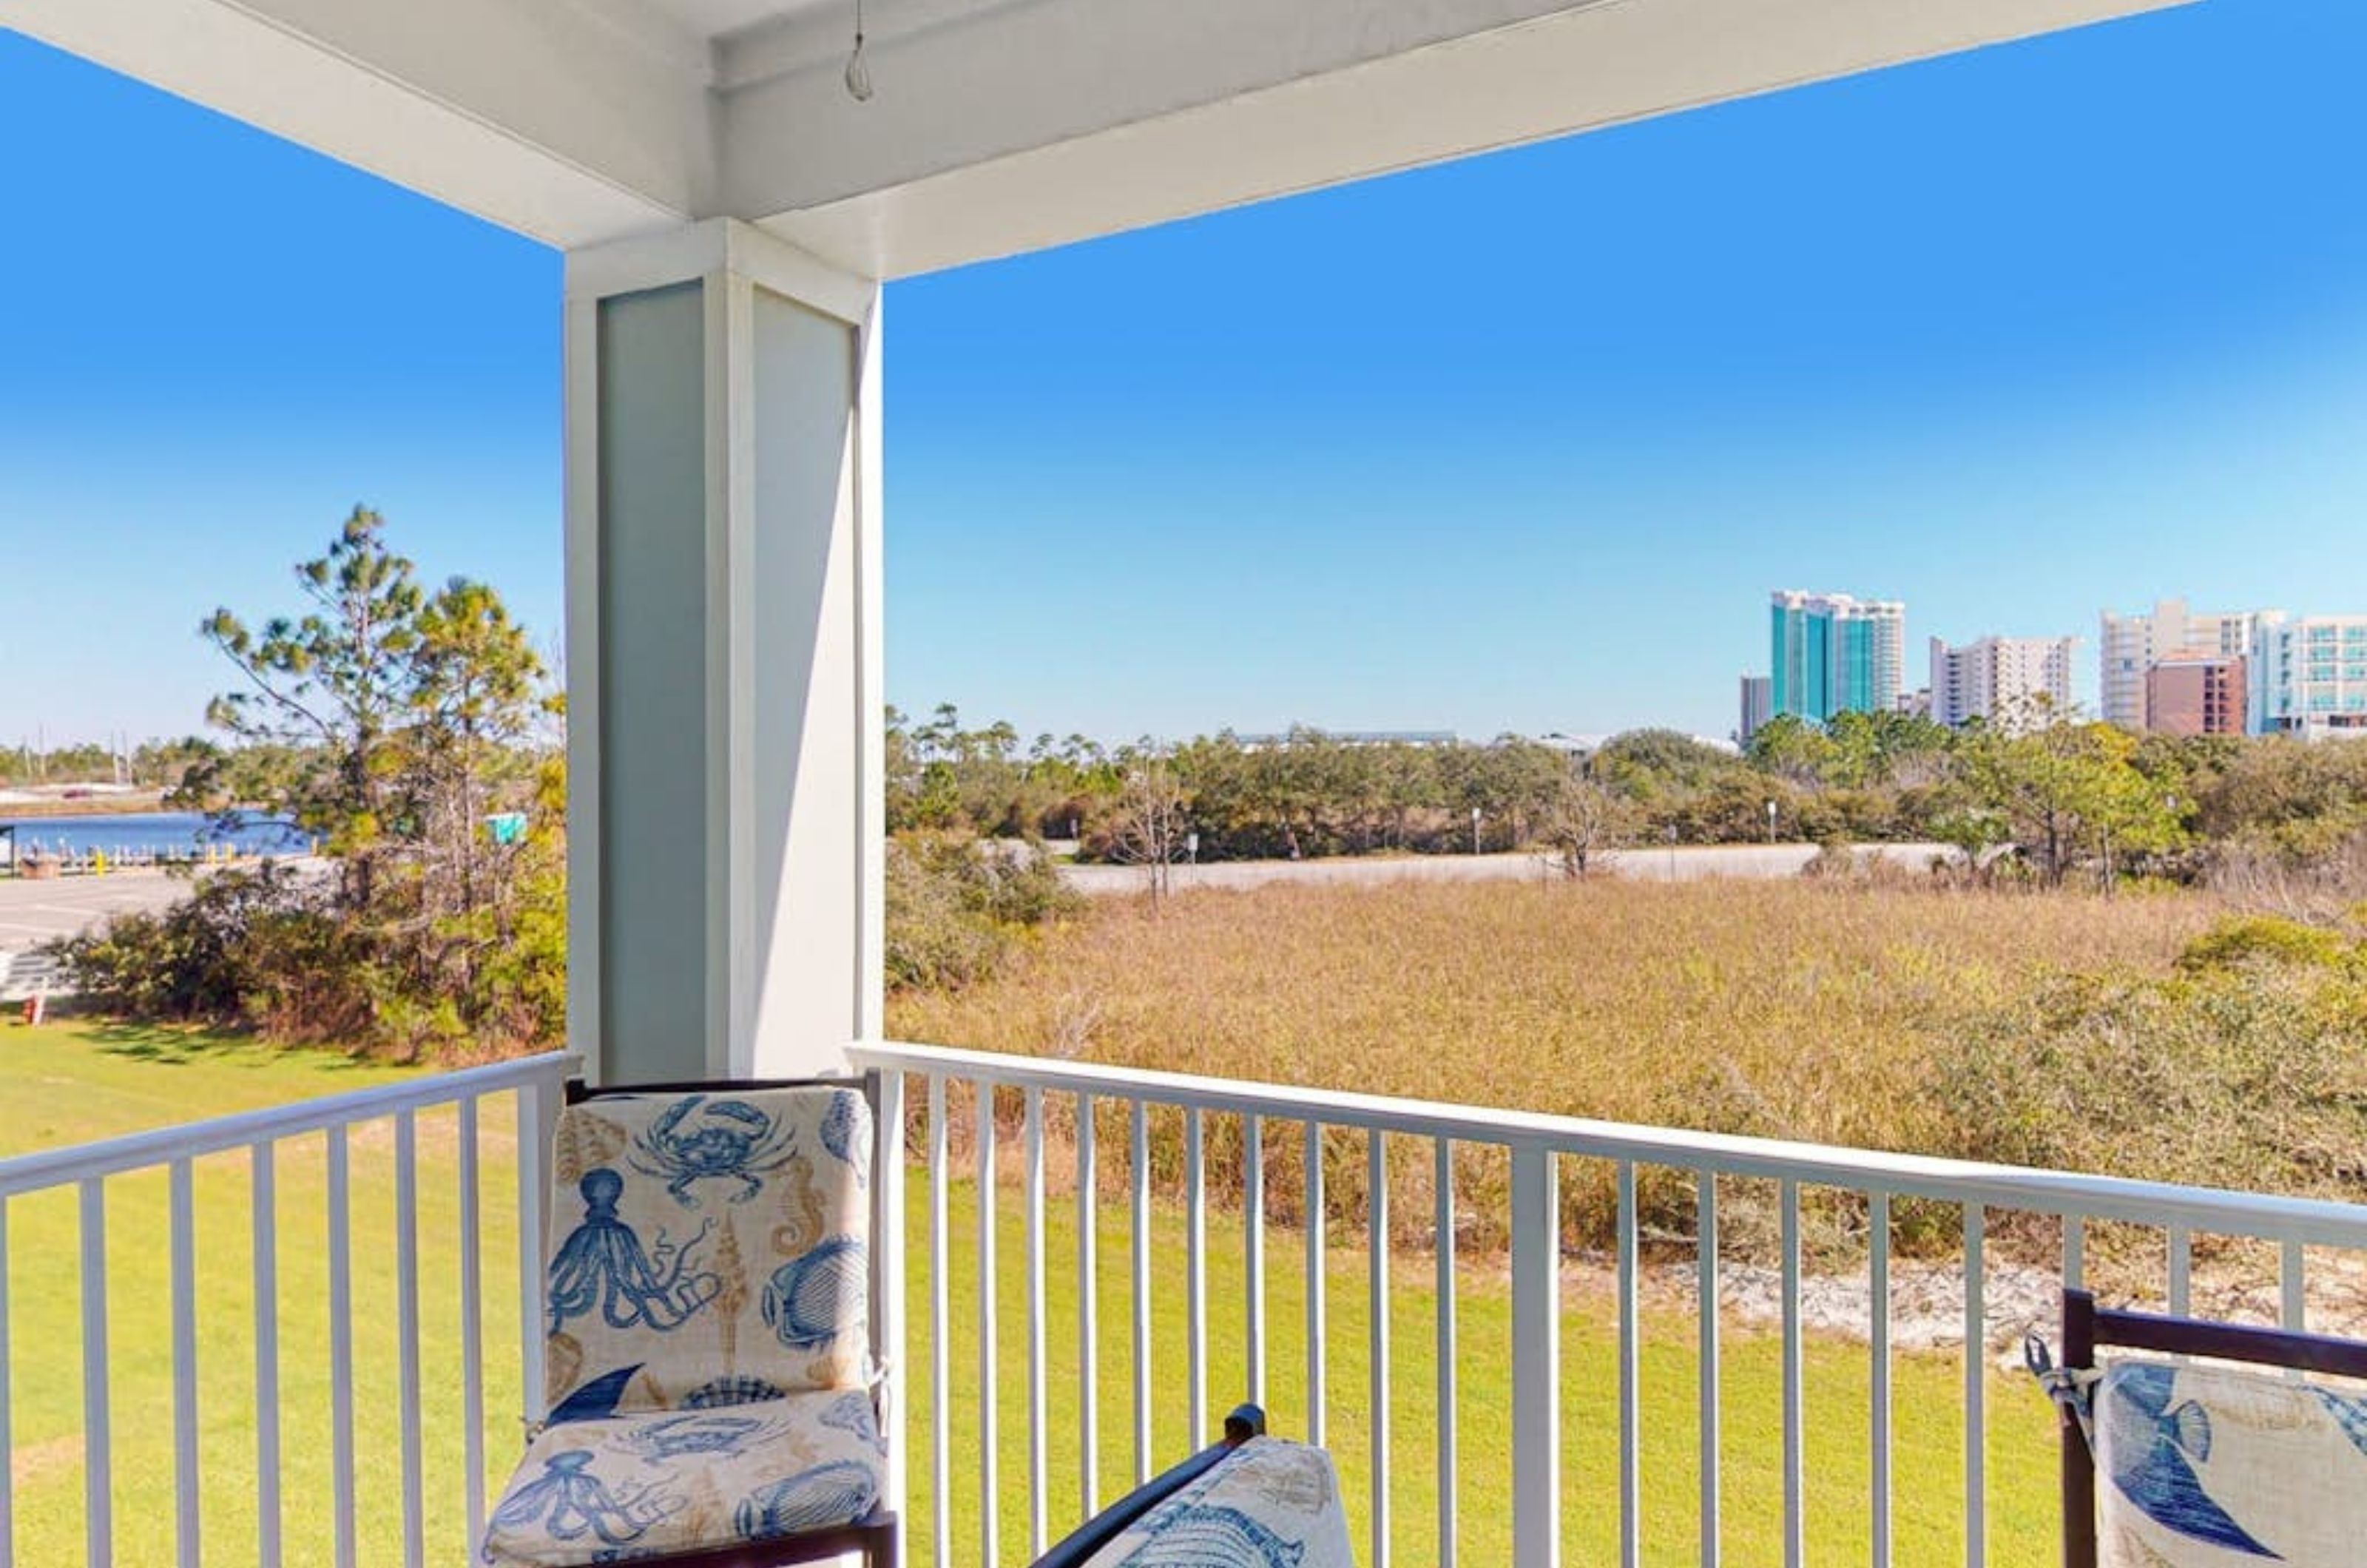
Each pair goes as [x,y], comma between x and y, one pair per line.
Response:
[713,18]
[998,126]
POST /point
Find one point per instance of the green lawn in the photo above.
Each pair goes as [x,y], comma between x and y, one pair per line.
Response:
[75,1081]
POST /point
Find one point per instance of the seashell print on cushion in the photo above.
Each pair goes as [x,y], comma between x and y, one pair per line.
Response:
[667,1246]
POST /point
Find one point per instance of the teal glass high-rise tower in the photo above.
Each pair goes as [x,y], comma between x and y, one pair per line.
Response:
[1831,653]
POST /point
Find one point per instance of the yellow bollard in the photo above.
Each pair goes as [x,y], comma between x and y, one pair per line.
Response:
[98,862]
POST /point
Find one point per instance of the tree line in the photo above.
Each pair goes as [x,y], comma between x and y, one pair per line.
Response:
[152,764]
[2047,796]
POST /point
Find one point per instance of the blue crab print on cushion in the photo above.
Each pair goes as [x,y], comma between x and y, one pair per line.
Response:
[672,1436]
[697,1139]
[603,1267]
[567,1504]
[834,1493]
[2151,1445]
[807,1301]
[1199,1534]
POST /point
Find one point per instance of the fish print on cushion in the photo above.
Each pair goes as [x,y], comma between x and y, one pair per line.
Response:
[644,1485]
[720,1242]
[848,1136]
[806,1300]
[2152,1447]
[834,1493]
[2350,1412]
[1269,1503]
[1201,1536]
[2209,1466]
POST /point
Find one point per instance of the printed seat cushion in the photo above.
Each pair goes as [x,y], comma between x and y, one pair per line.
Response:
[645,1485]
[2213,1466]
[1270,1504]
[707,1247]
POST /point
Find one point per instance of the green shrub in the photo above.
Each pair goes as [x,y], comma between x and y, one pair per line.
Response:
[2239,939]
[274,950]
[2251,1074]
[242,950]
[957,906]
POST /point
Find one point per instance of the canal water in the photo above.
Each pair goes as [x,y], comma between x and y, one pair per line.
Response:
[170,833]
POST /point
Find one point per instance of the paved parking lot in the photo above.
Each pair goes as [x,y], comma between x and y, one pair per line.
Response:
[33,911]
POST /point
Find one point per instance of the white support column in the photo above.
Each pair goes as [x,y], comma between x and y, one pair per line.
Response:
[723,652]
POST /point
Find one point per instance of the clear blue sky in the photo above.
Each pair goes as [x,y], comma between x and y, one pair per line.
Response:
[1519,443]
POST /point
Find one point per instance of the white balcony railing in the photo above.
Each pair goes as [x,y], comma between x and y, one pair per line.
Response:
[312,1143]
[1423,1331]
[1890,1207]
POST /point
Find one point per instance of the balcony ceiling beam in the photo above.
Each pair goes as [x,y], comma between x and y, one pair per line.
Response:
[573,122]
[1064,120]
[998,127]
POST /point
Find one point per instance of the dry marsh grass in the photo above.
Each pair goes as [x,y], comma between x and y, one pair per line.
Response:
[1783,1009]
[2051,1029]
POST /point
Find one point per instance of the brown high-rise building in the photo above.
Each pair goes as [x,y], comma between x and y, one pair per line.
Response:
[2195,694]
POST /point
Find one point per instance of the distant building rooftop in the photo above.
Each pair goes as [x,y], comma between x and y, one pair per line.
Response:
[1357,736]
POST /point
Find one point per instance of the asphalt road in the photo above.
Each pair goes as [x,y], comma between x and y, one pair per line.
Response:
[33,912]
[1753,861]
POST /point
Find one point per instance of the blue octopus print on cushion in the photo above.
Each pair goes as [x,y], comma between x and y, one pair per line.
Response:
[833,1493]
[807,1299]
[602,1265]
[1197,1535]
[566,1504]
[2154,1447]
[697,1139]
[847,1133]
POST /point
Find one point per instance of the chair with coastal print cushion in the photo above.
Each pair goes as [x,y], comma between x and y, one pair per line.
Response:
[1250,1501]
[2254,1455]
[707,1335]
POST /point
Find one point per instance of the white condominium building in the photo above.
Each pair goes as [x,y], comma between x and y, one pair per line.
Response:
[2308,675]
[2129,646]
[2003,680]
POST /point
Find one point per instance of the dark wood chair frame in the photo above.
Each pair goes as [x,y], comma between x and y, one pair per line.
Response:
[875,1534]
[2087,1327]
[1078,1547]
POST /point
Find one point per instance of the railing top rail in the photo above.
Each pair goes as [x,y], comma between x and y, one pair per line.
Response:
[2217,1210]
[138,1151]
